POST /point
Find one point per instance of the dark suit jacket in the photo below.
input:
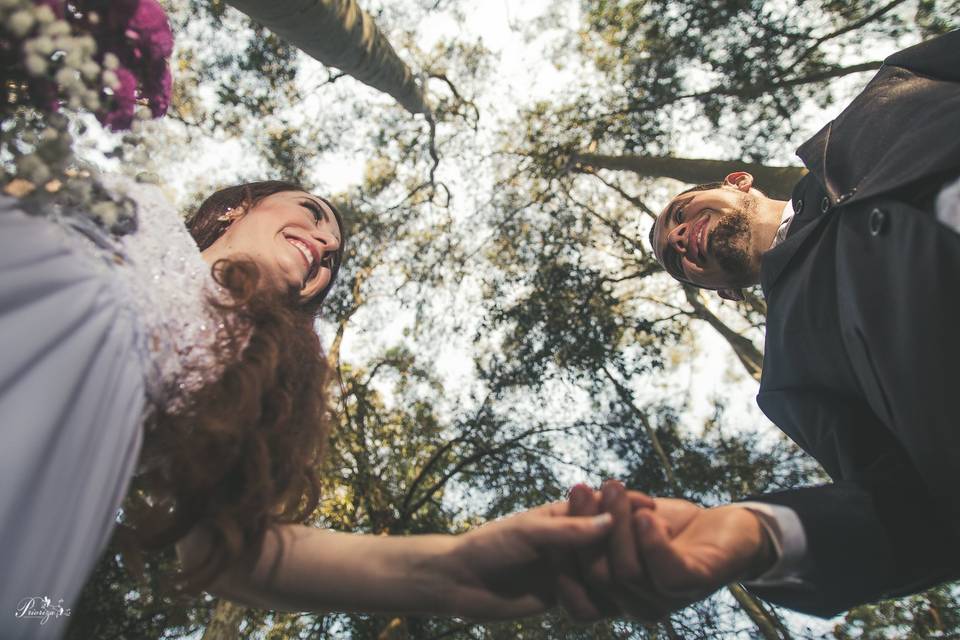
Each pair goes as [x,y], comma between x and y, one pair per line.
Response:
[863,339]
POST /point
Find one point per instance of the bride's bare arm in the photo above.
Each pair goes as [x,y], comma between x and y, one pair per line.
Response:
[499,570]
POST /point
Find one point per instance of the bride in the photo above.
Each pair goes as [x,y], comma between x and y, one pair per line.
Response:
[178,366]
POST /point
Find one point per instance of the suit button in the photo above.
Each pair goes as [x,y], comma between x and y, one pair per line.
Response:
[877,222]
[798,208]
[825,204]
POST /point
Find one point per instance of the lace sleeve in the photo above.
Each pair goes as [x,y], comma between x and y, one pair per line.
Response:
[170,285]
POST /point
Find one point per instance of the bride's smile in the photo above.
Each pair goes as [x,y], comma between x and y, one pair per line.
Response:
[293,238]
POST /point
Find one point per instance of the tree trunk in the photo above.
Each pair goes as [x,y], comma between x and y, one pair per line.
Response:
[340,34]
[769,628]
[225,622]
[776,182]
[750,357]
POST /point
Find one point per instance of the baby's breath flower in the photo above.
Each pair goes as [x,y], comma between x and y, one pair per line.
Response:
[87,44]
[33,168]
[74,58]
[91,101]
[66,77]
[36,65]
[56,28]
[44,14]
[42,45]
[106,211]
[21,22]
[90,70]
[111,61]
[110,78]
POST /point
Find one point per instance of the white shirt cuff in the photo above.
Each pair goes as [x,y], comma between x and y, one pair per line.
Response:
[789,541]
[948,206]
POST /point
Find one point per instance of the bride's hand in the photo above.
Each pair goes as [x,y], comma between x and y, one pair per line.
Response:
[504,570]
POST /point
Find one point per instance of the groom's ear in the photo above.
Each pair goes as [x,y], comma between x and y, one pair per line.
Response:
[731,294]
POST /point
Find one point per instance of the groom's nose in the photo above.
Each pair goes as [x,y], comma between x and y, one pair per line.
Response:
[678,238]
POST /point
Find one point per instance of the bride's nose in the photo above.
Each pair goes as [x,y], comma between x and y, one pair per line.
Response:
[327,239]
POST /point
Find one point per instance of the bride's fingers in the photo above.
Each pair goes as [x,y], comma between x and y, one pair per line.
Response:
[571,594]
[591,559]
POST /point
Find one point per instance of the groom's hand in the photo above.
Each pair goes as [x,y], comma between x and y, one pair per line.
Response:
[663,558]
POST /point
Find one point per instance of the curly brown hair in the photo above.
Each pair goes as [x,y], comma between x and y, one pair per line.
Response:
[243,457]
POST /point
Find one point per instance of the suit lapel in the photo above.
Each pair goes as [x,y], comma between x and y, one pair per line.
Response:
[805,200]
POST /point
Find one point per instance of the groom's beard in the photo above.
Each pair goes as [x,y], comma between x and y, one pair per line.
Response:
[731,241]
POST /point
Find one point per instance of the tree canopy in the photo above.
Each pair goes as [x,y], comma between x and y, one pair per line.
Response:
[501,329]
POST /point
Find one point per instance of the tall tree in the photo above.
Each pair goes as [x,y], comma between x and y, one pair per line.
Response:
[340,34]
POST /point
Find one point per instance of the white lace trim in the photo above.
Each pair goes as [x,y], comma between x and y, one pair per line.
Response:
[169,285]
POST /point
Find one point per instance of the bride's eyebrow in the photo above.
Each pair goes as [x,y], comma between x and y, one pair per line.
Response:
[317,205]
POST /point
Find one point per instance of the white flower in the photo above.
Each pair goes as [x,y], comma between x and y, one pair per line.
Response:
[56,28]
[44,14]
[33,169]
[106,211]
[66,77]
[90,70]
[10,4]
[111,62]
[20,22]
[58,120]
[36,65]
[42,45]
[86,43]
[91,100]
[74,58]
[110,79]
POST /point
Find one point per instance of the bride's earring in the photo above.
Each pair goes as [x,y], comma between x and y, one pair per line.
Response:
[230,215]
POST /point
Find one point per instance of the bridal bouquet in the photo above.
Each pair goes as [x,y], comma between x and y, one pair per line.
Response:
[106,57]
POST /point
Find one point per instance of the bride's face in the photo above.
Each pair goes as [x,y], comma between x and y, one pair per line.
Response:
[292,237]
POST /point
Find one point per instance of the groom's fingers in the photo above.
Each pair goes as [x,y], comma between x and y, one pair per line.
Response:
[669,574]
[631,589]
[640,500]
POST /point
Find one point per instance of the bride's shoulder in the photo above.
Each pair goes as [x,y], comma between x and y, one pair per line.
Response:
[151,202]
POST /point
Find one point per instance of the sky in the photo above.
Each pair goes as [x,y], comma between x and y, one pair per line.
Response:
[706,367]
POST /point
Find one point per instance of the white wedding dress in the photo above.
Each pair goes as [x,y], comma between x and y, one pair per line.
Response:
[95,331]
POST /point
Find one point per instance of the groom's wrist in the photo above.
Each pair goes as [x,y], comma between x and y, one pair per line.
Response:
[765,554]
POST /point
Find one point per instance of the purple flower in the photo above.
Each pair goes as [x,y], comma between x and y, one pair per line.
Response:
[157,87]
[144,26]
[120,115]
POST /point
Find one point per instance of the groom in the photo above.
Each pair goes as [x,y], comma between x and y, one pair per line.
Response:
[861,274]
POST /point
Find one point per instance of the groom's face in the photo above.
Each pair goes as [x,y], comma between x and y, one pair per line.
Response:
[705,237]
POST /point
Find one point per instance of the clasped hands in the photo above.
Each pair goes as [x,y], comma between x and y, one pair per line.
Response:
[641,557]
[661,554]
